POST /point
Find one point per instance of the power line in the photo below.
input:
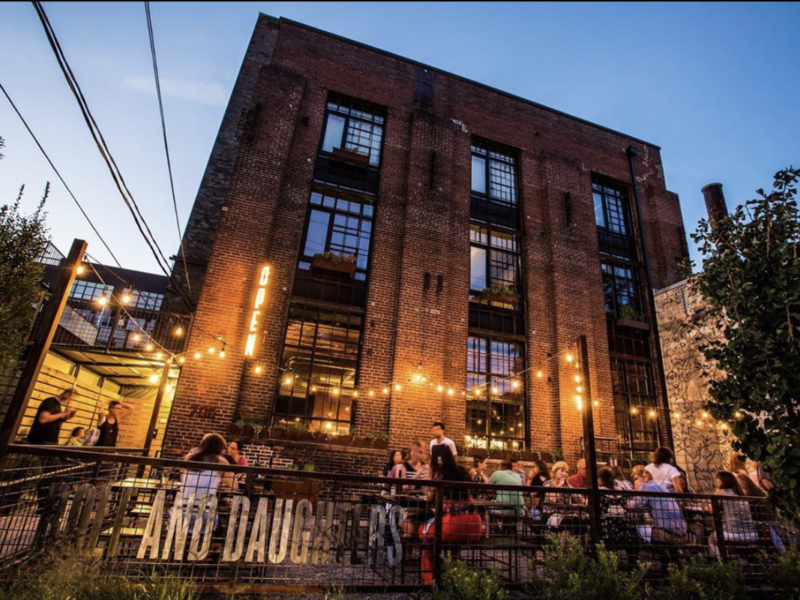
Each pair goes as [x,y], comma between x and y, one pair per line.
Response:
[58,174]
[166,146]
[105,152]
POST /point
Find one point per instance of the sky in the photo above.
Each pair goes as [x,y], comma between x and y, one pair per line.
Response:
[714,84]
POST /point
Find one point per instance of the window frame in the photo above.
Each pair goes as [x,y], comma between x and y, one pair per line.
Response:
[377,113]
[513,156]
[489,251]
[623,406]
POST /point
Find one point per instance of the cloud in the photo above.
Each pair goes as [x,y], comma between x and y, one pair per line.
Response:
[211,94]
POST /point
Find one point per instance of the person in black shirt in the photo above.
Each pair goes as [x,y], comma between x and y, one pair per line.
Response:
[109,424]
[47,423]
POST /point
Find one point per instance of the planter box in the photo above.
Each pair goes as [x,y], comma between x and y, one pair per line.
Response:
[326,264]
[633,324]
[504,298]
[353,158]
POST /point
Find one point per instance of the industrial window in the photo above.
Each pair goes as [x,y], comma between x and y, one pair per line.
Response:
[495,394]
[341,225]
[621,288]
[353,126]
[610,207]
[494,173]
[635,405]
[494,263]
[86,290]
[318,370]
[148,300]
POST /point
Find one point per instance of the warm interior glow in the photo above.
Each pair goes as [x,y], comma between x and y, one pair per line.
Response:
[159,356]
[335,391]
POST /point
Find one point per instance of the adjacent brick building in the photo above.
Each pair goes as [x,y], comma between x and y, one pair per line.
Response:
[434,247]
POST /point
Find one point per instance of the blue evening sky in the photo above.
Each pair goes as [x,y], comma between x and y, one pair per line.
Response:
[715,85]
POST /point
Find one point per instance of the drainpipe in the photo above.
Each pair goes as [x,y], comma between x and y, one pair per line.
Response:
[631,153]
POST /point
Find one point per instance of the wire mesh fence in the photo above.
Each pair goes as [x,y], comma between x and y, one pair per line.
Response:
[224,525]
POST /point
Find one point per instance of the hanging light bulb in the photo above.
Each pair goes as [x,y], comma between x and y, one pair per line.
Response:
[154,378]
[313,388]
[371,393]
[149,347]
[258,369]
[169,388]
[211,350]
[596,403]
[335,391]
[440,389]
[222,354]
[577,378]
[125,299]
[197,355]
[182,359]
[569,358]
[539,374]
[450,392]
[515,384]
[288,381]
[178,331]
[495,391]
[79,269]
[634,410]
[159,355]
[704,415]
[137,337]
[385,391]
[102,300]
[355,393]
[652,414]
[398,388]
[580,389]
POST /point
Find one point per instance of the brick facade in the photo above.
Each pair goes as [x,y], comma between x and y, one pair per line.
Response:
[252,209]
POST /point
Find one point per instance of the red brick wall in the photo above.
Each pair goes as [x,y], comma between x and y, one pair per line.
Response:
[421,225]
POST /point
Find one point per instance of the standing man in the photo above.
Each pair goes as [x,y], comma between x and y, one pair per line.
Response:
[440,440]
[47,423]
[109,424]
[579,479]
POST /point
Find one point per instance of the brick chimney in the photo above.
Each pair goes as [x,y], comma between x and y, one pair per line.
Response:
[715,202]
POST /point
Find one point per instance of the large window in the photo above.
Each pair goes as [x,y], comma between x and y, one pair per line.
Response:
[610,207]
[621,289]
[635,404]
[494,261]
[355,127]
[86,290]
[318,370]
[495,396]
[494,173]
[339,225]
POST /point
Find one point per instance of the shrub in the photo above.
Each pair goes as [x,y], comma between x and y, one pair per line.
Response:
[459,582]
[569,573]
[784,574]
[703,579]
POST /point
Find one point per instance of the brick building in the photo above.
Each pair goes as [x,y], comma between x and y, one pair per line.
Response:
[434,247]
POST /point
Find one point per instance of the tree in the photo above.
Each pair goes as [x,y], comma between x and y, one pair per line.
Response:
[751,283]
[23,238]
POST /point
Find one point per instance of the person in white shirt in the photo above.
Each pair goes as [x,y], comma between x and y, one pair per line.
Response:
[663,473]
[439,439]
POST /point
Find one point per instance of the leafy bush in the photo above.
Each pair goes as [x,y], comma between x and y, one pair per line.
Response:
[784,574]
[459,582]
[703,579]
[54,577]
[569,573]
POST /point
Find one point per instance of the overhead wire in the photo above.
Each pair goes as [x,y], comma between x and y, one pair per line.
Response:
[105,153]
[58,174]
[166,145]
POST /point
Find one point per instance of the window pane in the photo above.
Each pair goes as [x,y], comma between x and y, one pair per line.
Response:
[599,217]
[317,233]
[334,131]
[478,174]
[477,271]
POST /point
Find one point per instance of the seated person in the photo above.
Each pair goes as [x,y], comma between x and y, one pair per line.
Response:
[668,519]
[558,509]
[511,501]
[737,521]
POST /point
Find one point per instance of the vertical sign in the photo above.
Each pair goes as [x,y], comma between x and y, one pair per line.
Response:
[256,312]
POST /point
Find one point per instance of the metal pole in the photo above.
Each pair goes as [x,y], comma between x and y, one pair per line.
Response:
[587,415]
[162,389]
[631,152]
[42,338]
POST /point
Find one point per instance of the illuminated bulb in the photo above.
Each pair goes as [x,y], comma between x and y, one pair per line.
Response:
[179,331]
[515,384]
[579,402]
[596,403]
[153,378]
[136,337]
[477,391]
[704,415]
[102,300]
[385,391]
[182,359]
[222,354]
[335,391]
[539,374]
[328,425]
[738,415]
[80,270]
[149,347]
[288,381]
[355,394]
[440,389]
[569,358]
[578,398]
[397,388]
[330,414]
[698,423]
[159,356]
[577,378]
[371,394]
[258,369]
[212,350]
[126,298]
[169,388]
[450,392]
[515,444]
[495,391]
[468,437]
[580,389]
[652,413]
[197,355]
[724,426]
[634,411]
[313,388]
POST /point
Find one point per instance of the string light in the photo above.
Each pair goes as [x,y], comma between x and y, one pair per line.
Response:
[182,359]
[178,331]
[197,355]
[126,298]
[335,391]
[169,388]
[634,410]
[495,391]
[704,415]
[153,378]
[596,403]
[288,381]
[355,394]
[652,414]
[515,384]
[569,358]
[577,378]
[313,388]
[580,389]
[102,300]
[539,374]
[440,389]
[258,369]
[159,356]
[211,350]
[450,392]
[398,388]
[371,393]
[149,347]
[137,337]
[385,391]
[222,354]
[79,270]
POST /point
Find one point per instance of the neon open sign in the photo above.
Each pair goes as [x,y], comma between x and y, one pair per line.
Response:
[255,314]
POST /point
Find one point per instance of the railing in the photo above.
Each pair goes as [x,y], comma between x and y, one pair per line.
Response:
[269,528]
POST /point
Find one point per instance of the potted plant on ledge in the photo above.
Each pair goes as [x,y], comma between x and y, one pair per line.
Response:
[332,261]
[350,155]
[628,316]
[501,293]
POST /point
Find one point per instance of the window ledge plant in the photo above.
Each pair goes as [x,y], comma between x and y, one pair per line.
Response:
[501,293]
[333,261]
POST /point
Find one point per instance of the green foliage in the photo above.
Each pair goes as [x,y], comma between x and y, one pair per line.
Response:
[569,573]
[784,574]
[382,437]
[501,290]
[309,467]
[629,312]
[23,238]
[459,582]
[57,577]
[703,579]
[336,258]
[751,284]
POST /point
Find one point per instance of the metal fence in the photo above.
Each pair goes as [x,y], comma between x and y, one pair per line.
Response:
[260,529]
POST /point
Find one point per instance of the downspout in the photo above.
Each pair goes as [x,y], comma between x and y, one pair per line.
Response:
[631,153]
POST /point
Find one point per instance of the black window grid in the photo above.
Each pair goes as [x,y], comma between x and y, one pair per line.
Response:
[498,204]
[635,405]
[496,415]
[622,288]
[363,128]
[319,369]
[501,265]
